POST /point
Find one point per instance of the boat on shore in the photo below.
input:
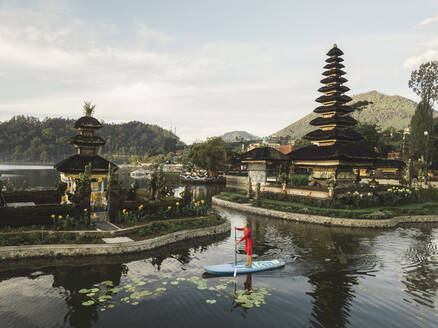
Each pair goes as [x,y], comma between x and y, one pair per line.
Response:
[140,174]
[200,179]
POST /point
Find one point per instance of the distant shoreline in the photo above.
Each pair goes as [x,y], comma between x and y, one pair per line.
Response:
[28,163]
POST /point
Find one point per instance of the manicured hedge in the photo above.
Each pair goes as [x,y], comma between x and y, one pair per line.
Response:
[31,215]
[36,196]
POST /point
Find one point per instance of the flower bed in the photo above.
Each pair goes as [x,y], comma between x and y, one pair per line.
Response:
[128,218]
[392,196]
[233,197]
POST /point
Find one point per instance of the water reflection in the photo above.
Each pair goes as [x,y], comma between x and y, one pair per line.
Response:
[334,277]
[420,267]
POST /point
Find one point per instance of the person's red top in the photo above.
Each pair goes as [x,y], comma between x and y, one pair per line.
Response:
[248,240]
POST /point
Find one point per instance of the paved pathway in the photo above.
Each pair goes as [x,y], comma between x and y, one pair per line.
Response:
[117,240]
[106,226]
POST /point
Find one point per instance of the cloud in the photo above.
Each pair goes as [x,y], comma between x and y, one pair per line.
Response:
[51,61]
[428,20]
[152,35]
[426,56]
[430,44]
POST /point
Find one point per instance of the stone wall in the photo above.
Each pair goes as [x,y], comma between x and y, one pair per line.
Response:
[329,221]
[297,192]
[41,251]
[236,182]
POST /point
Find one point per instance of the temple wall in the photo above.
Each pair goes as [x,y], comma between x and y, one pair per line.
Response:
[257,173]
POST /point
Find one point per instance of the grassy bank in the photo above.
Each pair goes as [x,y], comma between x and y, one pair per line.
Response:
[375,212]
[147,231]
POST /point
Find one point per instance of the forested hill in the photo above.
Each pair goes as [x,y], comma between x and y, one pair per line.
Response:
[33,140]
[385,111]
[238,136]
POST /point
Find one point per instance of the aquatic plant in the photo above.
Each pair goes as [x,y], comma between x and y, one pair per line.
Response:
[106,296]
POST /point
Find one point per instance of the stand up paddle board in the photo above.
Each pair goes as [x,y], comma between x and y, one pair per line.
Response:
[242,268]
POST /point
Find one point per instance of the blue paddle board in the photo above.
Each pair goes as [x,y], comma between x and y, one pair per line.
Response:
[242,268]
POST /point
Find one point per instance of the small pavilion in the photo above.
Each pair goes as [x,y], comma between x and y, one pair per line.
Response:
[70,168]
[264,164]
[333,153]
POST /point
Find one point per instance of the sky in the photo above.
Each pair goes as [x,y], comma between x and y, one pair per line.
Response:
[203,67]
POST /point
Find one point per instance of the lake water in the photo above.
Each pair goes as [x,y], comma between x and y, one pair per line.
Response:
[44,176]
[334,277]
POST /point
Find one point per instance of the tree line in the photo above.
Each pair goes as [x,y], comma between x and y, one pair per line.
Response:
[29,139]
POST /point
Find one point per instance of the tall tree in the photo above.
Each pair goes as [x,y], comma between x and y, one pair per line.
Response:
[88,108]
[210,155]
[422,133]
[359,106]
[424,81]
[371,136]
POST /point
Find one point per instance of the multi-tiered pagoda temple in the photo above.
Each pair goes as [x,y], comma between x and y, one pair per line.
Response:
[87,144]
[333,153]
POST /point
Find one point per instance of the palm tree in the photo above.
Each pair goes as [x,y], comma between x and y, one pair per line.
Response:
[88,108]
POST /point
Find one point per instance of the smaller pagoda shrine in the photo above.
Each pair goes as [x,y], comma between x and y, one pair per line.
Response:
[87,144]
[333,153]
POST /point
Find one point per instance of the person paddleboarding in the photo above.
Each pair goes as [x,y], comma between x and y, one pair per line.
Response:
[247,237]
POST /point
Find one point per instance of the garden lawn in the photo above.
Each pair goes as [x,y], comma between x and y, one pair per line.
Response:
[160,228]
[381,212]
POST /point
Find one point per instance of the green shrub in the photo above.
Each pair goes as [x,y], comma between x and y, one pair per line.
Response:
[378,215]
[67,236]
[300,180]
[34,237]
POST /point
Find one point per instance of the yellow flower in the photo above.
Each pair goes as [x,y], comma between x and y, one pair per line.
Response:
[169,208]
[140,207]
[202,201]
[177,203]
[60,217]
[124,211]
[53,216]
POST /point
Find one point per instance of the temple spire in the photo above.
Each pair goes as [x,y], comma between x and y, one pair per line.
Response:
[335,113]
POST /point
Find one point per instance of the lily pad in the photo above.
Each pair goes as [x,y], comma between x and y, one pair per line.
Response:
[94,290]
[91,294]
[107,283]
[210,301]
[105,297]
[247,305]
[174,283]
[84,291]
[114,290]
[135,303]
[160,289]
[88,303]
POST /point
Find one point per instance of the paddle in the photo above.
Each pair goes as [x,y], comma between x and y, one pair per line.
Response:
[235,253]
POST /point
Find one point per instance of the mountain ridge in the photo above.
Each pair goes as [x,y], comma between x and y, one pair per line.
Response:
[386,111]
